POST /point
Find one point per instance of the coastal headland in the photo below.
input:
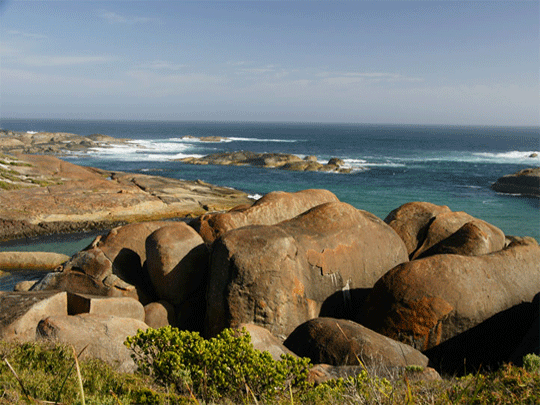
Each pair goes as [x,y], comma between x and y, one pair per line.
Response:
[425,288]
[42,194]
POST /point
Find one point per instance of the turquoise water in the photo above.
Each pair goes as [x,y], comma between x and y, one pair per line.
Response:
[454,166]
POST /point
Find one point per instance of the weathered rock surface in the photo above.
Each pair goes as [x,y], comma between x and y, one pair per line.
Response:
[429,229]
[447,223]
[87,272]
[340,342]
[526,182]
[31,260]
[47,195]
[499,339]
[271,209]
[125,247]
[428,301]
[158,314]
[177,261]
[530,343]
[103,336]
[263,340]
[20,312]
[411,222]
[279,276]
[268,160]
[475,238]
[123,307]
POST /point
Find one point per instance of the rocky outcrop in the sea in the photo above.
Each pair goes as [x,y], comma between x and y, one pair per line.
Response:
[205,138]
[42,194]
[525,182]
[52,143]
[270,160]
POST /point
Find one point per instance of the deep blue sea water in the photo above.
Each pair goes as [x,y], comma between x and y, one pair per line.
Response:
[454,166]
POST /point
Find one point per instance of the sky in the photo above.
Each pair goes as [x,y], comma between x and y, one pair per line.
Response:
[388,62]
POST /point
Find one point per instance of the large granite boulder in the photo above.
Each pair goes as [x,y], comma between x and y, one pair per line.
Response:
[526,182]
[428,301]
[475,238]
[158,314]
[177,261]
[411,222]
[279,276]
[340,342]
[505,336]
[125,248]
[447,223]
[272,208]
[20,312]
[87,272]
[102,336]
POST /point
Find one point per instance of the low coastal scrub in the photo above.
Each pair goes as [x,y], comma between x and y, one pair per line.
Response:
[178,367]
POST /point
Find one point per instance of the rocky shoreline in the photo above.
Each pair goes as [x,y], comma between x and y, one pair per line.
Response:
[43,194]
[305,273]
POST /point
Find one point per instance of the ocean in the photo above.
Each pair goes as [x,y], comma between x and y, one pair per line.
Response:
[392,164]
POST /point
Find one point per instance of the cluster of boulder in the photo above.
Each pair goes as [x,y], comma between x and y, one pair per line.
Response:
[283,161]
[307,274]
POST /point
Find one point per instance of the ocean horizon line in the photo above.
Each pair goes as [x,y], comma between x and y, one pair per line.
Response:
[323,123]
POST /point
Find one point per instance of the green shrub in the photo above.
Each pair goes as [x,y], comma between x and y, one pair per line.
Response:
[531,363]
[225,366]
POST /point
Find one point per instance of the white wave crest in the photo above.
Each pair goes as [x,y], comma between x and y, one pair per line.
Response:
[240,139]
[254,196]
[511,155]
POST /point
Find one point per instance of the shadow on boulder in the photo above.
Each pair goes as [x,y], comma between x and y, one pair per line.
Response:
[343,304]
[487,345]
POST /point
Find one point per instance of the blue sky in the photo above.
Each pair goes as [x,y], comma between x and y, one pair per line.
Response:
[411,62]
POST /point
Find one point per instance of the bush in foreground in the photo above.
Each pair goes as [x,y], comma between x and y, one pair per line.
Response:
[226,366]
[43,367]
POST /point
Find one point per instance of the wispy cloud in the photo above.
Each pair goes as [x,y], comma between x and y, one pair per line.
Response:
[256,70]
[25,34]
[115,18]
[162,65]
[354,77]
[64,60]
[238,63]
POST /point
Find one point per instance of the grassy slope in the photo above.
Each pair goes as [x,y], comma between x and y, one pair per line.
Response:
[42,370]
